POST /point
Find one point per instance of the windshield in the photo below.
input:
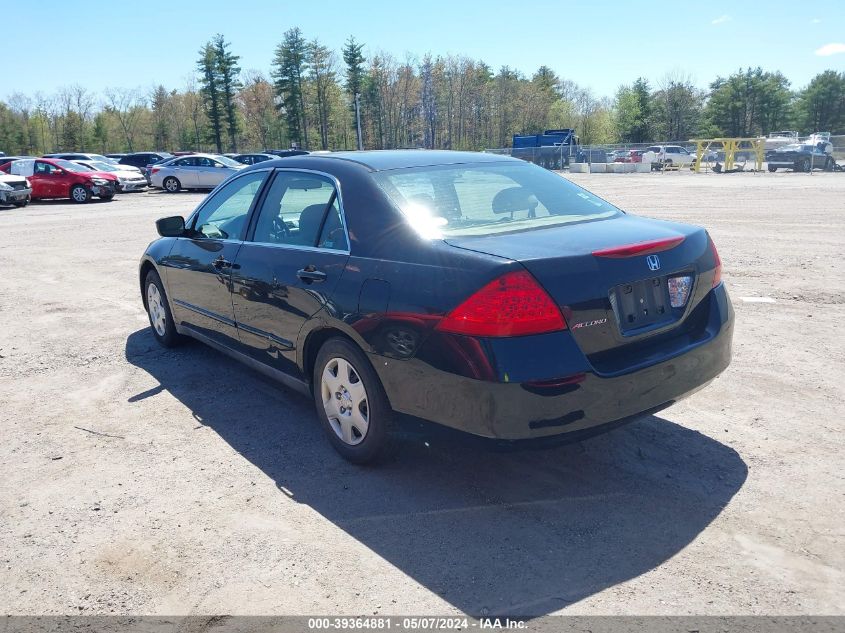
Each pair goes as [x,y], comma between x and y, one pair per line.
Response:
[228,161]
[103,166]
[482,199]
[69,166]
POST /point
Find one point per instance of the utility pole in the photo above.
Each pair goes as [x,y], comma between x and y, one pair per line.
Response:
[358,122]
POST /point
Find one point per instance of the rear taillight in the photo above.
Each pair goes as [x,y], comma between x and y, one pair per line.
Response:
[155,170]
[512,305]
[717,271]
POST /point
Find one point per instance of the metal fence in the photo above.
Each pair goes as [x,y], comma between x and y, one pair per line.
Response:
[558,158]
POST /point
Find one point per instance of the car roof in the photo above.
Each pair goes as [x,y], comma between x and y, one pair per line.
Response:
[379,160]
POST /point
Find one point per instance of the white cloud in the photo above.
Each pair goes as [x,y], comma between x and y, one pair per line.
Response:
[816,21]
[721,19]
[831,49]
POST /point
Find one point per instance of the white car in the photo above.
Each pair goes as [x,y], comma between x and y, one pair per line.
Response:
[197,171]
[128,178]
[670,155]
[74,156]
[14,190]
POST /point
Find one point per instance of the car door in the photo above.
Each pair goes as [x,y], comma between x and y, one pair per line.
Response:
[289,265]
[45,180]
[206,172]
[198,268]
[185,169]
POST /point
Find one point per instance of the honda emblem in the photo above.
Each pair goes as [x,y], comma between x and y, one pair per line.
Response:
[653,262]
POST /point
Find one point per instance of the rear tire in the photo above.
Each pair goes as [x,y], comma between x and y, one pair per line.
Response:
[107,197]
[351,404]
[772,169]
[22,203]
[803,165]
[171,185]
[158,310]
[80,194]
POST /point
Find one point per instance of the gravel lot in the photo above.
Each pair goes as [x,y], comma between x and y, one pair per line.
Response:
[139,480]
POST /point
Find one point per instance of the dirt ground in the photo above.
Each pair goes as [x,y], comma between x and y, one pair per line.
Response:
[135,479]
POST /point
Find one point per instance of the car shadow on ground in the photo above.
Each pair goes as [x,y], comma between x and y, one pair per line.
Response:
[521,532]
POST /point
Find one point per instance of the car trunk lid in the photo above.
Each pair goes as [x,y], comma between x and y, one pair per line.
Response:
[611,278]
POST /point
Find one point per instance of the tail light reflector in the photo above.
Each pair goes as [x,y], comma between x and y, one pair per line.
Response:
[155,170]
[640,248]
[717,272]
[512,305]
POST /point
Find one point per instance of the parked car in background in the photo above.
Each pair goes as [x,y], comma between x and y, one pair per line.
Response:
[80,156]
[14,189]
[800,158]
[128,178]
[143,161]
[622,156]
[199,171]
[666,155]
[283,153]
[57,178]
[251,159]
[115,156]
[637,155]
[9,159]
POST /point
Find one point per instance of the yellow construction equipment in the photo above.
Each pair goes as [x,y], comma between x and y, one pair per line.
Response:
[730,146]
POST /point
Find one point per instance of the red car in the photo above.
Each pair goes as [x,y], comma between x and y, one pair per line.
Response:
[56,178]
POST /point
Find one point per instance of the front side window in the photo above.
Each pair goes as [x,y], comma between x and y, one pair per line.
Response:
[44,168]
[301,209]
[223,216]
[482,199]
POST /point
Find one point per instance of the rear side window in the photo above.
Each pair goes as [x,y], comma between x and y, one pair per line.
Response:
[301,209]
[482,199]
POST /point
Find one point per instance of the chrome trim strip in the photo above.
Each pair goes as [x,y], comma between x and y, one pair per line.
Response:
[289,381]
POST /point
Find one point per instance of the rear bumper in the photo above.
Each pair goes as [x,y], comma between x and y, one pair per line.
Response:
[528,410]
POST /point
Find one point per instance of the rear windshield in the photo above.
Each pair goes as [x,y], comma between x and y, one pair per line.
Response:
[482,199]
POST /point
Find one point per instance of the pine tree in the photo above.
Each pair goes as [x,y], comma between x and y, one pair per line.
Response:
[210,91]
[354,59]
[228,72]
[288,69]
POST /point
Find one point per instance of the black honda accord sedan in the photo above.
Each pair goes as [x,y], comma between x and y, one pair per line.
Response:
[479,292]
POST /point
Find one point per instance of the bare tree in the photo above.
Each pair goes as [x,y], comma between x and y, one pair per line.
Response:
[125,103]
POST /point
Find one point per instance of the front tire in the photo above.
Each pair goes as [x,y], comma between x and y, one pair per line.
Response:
[80,194]
[803,165]
[22,203]
[772,169]
[158,310]
[351,403]
[107,197]
[171,185]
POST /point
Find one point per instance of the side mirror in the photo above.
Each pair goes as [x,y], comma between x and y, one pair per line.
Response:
[173,226]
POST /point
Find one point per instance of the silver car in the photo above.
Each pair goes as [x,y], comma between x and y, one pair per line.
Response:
[197,171]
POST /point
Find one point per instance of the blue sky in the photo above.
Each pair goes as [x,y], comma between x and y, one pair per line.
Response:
[596,44]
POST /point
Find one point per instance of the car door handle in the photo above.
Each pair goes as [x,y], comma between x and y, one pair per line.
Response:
[220,263]
[310,274]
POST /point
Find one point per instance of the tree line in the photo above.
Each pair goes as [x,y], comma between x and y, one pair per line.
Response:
[308,98]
